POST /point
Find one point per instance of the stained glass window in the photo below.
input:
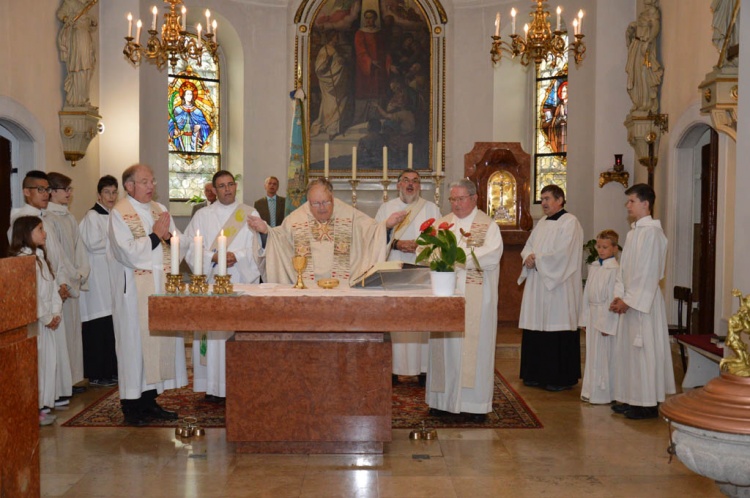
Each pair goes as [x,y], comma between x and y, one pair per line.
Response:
[193,127]
[551,117]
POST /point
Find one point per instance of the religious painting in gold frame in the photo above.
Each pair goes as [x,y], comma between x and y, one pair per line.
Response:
[373,73]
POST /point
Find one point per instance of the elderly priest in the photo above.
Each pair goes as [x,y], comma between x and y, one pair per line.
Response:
[338,241]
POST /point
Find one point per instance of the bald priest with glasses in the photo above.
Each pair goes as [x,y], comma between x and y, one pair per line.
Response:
[339,241]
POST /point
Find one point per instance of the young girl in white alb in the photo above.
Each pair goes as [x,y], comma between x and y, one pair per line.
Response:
[599,323]
[29,238]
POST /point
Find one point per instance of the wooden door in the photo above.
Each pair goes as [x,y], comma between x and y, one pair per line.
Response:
[6,202]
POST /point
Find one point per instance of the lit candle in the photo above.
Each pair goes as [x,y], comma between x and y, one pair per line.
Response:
[213,29]
[575,26]
[138,26]
[130,25]
[184,14]
[198,253]
[221,246]
[354,163]
[174,244]
[208,21]
[497,24]
[439,158]
[326,158]
[513,22]
[385,162]
[580,22]
[199,28]
[153,22]
[559,11]
[526,31]
[409,155]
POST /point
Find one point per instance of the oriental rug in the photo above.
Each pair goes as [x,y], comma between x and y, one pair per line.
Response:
[509,410]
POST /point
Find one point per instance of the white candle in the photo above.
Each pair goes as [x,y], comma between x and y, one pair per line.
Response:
[559,11]
[580,22]
[221,246]
[525,30]
[130,25]
[208,21]
[138,26]
[213,30]
[153,22]
[199,28]
[497,24]
[575,26]
[326,158]
[198,253]
[513,20]
[184,14]
[354,163]
[174,244]
[409,156]
[439,158]
[385,162]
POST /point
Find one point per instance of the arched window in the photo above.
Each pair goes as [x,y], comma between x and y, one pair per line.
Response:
[551,118]
[193,126]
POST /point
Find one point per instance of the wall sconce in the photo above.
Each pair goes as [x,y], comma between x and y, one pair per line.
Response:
[616,174]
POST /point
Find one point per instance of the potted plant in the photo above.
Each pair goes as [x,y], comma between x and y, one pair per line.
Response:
[441,251]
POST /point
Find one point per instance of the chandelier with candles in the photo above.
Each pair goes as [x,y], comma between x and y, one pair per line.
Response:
[175,42]
[539,42]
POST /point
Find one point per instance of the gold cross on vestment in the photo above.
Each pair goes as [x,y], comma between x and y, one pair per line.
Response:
[322,231]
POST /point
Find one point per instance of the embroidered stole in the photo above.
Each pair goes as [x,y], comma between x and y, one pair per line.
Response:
[337,233]
[472,322]
[233,225]
[158,352]
[412,210]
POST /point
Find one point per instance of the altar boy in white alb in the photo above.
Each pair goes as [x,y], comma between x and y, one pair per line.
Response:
[462,365]
[227,215]
[409,349]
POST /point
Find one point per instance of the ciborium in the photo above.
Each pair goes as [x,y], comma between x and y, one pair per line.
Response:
[299,263]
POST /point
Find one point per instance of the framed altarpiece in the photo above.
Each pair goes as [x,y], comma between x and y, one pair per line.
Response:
[373,74]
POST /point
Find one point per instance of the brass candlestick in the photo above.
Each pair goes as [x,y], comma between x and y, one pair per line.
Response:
[385,184]
[174,284]
[354,184]
[439,177]
[198,284]
[299,263]
[222,284]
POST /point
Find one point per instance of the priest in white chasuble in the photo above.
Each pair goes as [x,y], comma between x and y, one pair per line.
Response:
[409,349]
[552,258]
[140,256]
[228,217]
[337,240]
[462,365]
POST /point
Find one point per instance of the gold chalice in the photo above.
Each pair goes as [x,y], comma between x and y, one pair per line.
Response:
[299,263]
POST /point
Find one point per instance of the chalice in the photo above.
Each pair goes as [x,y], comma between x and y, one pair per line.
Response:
[299,263]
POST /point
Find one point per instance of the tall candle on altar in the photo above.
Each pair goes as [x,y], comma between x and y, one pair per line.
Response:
[354,162]
[174,244]
[385,162]
[325,160]
[410,156]
[221,247]
[198,253]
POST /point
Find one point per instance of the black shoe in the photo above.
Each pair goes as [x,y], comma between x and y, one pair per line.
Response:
[642,412]
[394,380]
[477,418]
[159,413]
[620,408]
[79,389]
[434,412]
[531,383]
[556,389]
[422,380]
[214,399]
[136,420]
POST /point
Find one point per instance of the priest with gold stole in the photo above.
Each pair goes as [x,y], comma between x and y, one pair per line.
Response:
[462,365]
[140,255]
[338,241]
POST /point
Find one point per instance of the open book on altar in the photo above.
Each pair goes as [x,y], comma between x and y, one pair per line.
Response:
[394,275]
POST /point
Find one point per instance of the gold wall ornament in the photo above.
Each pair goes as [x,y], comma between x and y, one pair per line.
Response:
[616,174]
[78,126]
[540,42]
[739,323]
[175,42]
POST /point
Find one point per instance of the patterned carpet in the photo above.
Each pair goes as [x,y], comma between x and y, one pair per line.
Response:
[509,411]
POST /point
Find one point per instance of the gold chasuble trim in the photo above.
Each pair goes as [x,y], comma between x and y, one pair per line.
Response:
[337,231]
[158,352]
[232,226]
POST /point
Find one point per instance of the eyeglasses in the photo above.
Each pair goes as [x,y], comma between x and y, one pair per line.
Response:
[413,181]
[318,205]
[461,198]
[226,185]
[145,183]
[67,189]
[41,190]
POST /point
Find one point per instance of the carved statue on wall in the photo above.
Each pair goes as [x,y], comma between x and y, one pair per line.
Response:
[739,323]
[644,70]
[726,24]
[76,46]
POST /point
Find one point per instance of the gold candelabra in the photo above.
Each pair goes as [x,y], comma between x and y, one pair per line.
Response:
[175,42]
[198,284]
[385,182]
[174,284]
[223,284]
[540,42]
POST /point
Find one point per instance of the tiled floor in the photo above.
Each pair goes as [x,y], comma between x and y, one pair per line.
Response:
[583,450]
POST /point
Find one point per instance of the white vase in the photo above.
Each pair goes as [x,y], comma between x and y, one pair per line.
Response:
[443,283]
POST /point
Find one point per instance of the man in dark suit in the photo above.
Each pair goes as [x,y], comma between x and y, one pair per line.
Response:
[210,193]
[271,207]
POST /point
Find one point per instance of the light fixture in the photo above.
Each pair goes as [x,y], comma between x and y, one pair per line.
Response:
[175,43]
[539,42]
[616,174]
